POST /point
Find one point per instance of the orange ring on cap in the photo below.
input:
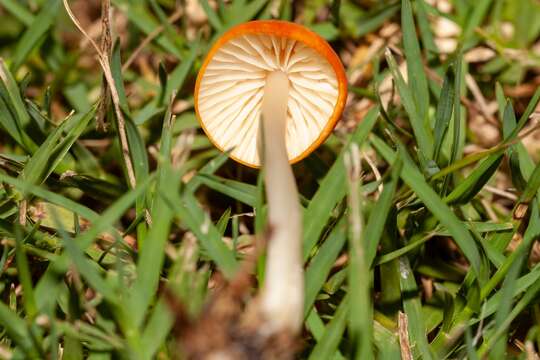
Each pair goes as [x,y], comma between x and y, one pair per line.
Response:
[292,31]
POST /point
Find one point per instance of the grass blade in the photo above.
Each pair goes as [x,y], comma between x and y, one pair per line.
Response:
[242,192]
[17,330]
[430,49]
[417,79]
[321,264]
[461,236]
[152,253]
[329,343]
[26,187]
[35,33]
[25,277]
[444,111]
[316,326]
[331,189]
[19,11]
[15,118]
[379,215]
[213,17]
[421,131]
[413,308]
[478,12]
[374,19]
[506,313]
[481,175]
[178,76]
[195,219]
[359,274]
[415,180]
[53,150]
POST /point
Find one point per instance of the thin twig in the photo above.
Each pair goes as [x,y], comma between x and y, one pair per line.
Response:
[106,33]
[106,48]
[480,329]
[22,212]
[105,65]
[490,212]
[157,31]
[182,148]
[501,193]
[376,172]
[403,333]
[480,99]
[529,350]
[529,131]
[5,353]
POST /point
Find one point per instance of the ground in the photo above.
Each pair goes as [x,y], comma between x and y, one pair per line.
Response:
[126,234]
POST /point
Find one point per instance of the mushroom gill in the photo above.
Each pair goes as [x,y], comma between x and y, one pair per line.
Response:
[232,87]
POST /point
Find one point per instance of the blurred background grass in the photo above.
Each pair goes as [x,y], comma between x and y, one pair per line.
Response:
[99,233]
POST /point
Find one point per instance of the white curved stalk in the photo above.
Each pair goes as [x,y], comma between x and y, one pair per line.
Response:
[283,292]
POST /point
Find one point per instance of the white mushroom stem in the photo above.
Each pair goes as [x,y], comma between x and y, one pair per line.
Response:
[283,292]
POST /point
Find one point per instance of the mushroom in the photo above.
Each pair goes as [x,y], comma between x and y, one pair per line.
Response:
[270,92]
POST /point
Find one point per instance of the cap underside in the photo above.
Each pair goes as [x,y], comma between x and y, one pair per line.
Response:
[231,91]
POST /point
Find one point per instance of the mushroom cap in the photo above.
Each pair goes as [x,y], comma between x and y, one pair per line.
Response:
[230,87]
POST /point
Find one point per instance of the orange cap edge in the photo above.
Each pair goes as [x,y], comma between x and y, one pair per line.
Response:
[298,33]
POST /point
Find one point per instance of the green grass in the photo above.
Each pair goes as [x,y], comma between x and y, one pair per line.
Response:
[90,258]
